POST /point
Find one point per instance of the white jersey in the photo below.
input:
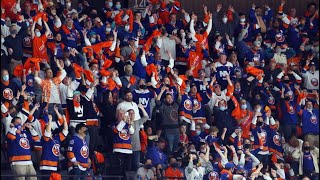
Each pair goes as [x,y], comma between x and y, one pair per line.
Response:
[311,80]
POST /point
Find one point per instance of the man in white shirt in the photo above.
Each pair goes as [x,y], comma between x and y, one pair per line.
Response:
[129,104]
[311,76]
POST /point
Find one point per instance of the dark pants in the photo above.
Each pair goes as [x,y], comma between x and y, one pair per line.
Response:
[173,141]
[106,134]
[125,160]
[77,171]
[46,172]
[290,129]
[136,160]
[93,133]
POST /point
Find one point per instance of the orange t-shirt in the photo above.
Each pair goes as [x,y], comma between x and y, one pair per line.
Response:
[170,172]
[39,47]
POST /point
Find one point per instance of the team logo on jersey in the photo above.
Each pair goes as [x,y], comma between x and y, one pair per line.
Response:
[263,136]
[27,42]
[256,57]
[174,115]
[276,140]
[196,104]
[30,82]
[24,143]
[290,93]
[213,175]
[56,149]
[8,93]
[84,151]
[313,120]
[314,82]
[291,110]
[187,105]
[271,100]
[280,37]
[123,134]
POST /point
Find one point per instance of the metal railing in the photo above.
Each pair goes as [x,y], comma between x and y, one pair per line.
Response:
[79,176]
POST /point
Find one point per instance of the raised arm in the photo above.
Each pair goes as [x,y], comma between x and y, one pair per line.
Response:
[48,31]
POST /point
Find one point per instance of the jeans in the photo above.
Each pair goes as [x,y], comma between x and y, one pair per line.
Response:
[77,171]
[173,141]
[135,160]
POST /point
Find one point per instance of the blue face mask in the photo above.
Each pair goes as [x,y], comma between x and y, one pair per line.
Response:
[111,4]
[244,106]
[198,132]
[5,77]
[118,6]
[18,126]
[222,108]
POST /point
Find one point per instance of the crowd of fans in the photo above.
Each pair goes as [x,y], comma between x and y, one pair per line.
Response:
[230,95]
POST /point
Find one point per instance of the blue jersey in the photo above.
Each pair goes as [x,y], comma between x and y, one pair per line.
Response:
[222,71]
[143,97]
[203,90]
[310,122]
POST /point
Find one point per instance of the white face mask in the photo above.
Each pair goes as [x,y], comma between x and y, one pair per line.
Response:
[242,20]
[224,20]
[108,29]
[2,40]
[92,40]
[68,4]
[183,34]
[38,34]
[127,28]
[29,71]
[67,63]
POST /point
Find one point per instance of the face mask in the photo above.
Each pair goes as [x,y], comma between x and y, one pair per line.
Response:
[108,29]
[67,63]
[224,20]
[142,86]
[259,109]
[118,6]
[2,40]
[189,36]
[127,28]
[306,148]
[237,89]
[148,166]
[309,109]
[278,50]
[174,165]
[18,126]
[287,81]
[198,132]
[13,31]
[247,146]
[222,108]
[5,77]
[29,71]
[38,34]
[242,20]
[92,40]
[68,4]
[259,123]
[183,34]
[187,89]
[110,4]
[244,106]
[195,161]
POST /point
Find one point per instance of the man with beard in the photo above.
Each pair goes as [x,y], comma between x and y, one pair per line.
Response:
[169,122]
[129,104]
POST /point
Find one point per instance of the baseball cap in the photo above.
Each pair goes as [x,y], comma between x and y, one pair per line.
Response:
[229,165]
[240,167]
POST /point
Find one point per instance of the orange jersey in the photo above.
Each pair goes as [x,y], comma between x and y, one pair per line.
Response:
[39,47]
[194,62]
[202,39]
[238,114]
